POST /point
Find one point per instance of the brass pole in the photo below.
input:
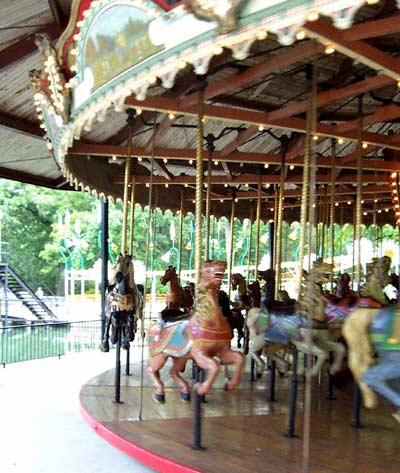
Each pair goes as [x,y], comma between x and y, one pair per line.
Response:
[341,235]
[273,263]
[230,261]
[278,261]
[132,215]
[374,227]
[199,186]
[304,195]
[148,239]
[250,239]
[359,192]
[180,244]
[128,163]
[311,212]
[210,149]
[332,203]
[258,223]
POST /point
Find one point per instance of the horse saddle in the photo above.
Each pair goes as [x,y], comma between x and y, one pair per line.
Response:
[173,315]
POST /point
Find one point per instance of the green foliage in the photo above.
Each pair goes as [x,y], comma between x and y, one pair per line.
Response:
[50,230]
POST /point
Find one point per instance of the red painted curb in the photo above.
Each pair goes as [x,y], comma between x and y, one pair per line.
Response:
[147,457]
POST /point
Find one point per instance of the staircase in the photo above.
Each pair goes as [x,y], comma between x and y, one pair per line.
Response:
[10,279]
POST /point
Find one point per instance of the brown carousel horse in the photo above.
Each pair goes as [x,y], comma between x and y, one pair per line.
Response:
[201,336]
[176,297]
[124,304]
[241,302]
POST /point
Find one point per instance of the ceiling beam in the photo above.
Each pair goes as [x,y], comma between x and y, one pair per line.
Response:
[27,46]
[272,65]
[12,174]
[363,52]
[23,127]
[253,179]
[106,151]
[383,114]
[372,29]
[332,95]
[219,113]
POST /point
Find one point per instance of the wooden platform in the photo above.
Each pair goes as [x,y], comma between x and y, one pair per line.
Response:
[241,431]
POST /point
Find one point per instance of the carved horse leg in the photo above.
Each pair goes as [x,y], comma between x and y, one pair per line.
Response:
[105,345]
[178,366]
[323,339]
[231,357]
[321,355]
[153,370]
[208,364]
[355,331]
[388,368]
[256,346]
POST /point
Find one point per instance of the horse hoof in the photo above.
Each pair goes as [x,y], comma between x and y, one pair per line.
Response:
[185,397]
[227,384]
[105,347]
[160,398]
[258,374]
[113,340]
[239,345]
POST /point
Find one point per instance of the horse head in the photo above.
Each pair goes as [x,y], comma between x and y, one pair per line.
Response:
[122,272]
[212,273]
[169,274]
[236,279]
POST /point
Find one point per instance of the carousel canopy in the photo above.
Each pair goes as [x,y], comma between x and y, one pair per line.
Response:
[92,61]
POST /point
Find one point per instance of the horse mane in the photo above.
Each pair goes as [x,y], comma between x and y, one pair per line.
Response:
[376,279]
[205,305]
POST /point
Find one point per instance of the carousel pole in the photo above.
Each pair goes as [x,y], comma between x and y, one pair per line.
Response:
[358,214]
[375,233]
[273,261]
[131,235]
[147,257]
[311,213]
[180,244]
[250,239]
[332,239]
[198,246]
[356,423]
[104,260]
[332,202]
[341,236]
[278,261]
[258,224]
[230,261]
[132,215]
[210,148]
[128,164]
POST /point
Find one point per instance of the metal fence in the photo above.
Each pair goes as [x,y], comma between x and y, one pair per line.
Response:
[43,340]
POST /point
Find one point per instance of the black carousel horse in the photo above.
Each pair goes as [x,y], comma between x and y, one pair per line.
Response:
[124,304]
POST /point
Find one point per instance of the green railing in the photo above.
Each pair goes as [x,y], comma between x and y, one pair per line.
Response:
[44,340]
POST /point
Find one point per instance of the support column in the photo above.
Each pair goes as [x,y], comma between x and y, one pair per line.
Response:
[104,261]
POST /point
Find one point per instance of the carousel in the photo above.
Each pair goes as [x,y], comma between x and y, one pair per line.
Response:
[268,111]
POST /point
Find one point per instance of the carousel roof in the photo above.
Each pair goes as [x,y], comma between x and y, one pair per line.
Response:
[253,59]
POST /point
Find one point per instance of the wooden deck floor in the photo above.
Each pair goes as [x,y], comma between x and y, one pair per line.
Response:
[241,431]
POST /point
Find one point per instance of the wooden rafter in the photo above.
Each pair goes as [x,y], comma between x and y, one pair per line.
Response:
[272,65]
[253,179]
[258,118]
[372,29]
[23,127]
[25,47]
[346,162]
[359,50]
